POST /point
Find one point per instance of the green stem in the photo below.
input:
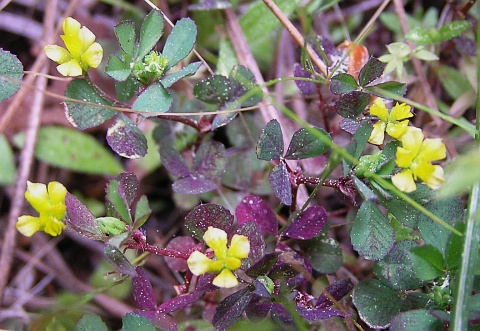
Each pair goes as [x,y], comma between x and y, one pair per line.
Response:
[466,273]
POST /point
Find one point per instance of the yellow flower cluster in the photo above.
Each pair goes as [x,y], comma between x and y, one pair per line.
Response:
[226,259]
[81,53]
[50,204]
[415,155]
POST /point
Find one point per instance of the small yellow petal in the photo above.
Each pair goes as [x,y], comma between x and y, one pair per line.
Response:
[396,130]
[436,178]
[28,225]
[70,26]
[239,247]
[404,157]
[232,263]
[404,181]
[86,37]
[54,227]
[225,279]
[93,56]
[72,68]
[198,263]
[377,136]
[412,139]
[56,192]
[400,112]
[378,109]
[57,53]
[432,150]
[37,196]
[216,239]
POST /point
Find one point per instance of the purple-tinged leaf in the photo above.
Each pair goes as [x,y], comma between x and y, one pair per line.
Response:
[254,209]
[126,139]
[279,179]
[181,244]
[204,283]
[128,187]
[270,145]
[142,290]
[282,271]
[306,87]
[201,217]
[210,160]
[349,125]
[261,290]
[193,185]
[258,311]
[172,160]
[280,314]
[343,83]
[257,244]
[179,302]
[80,219]
[352,104]
[312,314]
[160,320]
[246,84]
[238,172]
[119,261]
[121,192]
[305,144]
[308,224]
[262,266]
[370,71]
[231,308]
[337,290]
[215,89]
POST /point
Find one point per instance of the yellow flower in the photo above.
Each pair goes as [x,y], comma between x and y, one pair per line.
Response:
[395,122]
[49,204]
[415,157]
[226,259]
[81,53]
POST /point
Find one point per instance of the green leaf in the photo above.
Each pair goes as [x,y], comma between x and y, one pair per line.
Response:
[11,73]
[116,258]
[453,29]
[126,139]
[376,303]
[117,204]
[420,35]
[154,99]
[215,89]
[305,144]
[427,261]
[372,234]
[343,83]
[453,81]
[134,322]
[389,87]
[118,69]
[370,71]
[186,71]
[152,30]
[7,163]
[396,268]
[352,104]
[90,322]
[142,212]
[74,150]
[84,115]
[414,320]
[270,144]
[180,41]
[125,32]
[324,254]
[247,90]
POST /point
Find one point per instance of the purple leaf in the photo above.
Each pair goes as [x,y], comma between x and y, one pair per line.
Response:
[307,88]
[231,308]
[81,220]
[254,209]
[261,290]
[142,291]
[128,187]
[257,244]
[349,125]
[262,266]
[337,290]
[160,320]
[312,314]
[193,185]
[204,283]
[172,160]
[308,224]
[258,311]
[280,314]
[280,181]
[201,217]
[182,244]
[126,139]
[210,160]
[119,261]
[179,302]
